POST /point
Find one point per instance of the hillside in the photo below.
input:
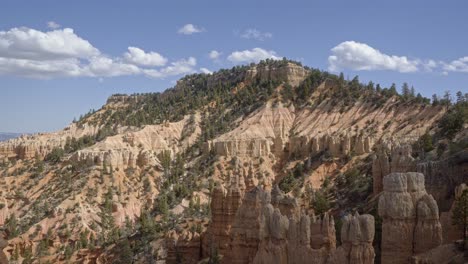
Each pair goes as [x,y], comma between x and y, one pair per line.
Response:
[263,163]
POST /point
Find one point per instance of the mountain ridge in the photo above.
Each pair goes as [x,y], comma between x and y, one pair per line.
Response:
[187,159]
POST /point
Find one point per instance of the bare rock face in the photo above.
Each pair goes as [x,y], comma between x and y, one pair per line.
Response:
[264,132]
[249,228]
[269,228]
[452,232]
[39,145]
[444,176]
[399,159]
[3,244]
[336,144]
[183,248]
[445,254]
[410,218]
[140,148]
[290,73]
[357,234]
[224,205]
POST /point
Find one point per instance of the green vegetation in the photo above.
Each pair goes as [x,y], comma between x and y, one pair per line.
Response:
[460,213]
[454,119]
[293,178]
[55,155]
[320,203]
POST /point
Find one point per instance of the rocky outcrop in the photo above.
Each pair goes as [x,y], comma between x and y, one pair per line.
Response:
[269,227]
[357,235]
[224,205]
[410,218]
[140,148]
[39,145]
[386,161]
[184,247]
[444,176]
[264,132]
[452,232]
[3,245]
[337,145]
[445,254]
[288,72]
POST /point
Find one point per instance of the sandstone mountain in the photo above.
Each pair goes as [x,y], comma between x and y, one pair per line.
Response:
[267,163]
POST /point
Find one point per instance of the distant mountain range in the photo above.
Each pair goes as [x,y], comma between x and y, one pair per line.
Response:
[6,136]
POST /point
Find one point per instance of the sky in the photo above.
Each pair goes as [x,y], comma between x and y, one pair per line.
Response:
[59,59]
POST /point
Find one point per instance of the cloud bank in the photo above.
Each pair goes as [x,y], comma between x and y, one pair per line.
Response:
[359,56]
[27,52]
[362,57]
[253,55]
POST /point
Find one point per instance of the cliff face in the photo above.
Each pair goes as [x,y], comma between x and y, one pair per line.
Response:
[269,227]
[141,148]
[291,73]
[410,218]
[30,146]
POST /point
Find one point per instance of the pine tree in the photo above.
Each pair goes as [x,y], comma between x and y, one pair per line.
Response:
[460,213]
[460,97]
[435,100]
[405,91]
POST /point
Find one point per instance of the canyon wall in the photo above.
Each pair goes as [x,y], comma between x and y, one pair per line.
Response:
[269,227]
[410,218]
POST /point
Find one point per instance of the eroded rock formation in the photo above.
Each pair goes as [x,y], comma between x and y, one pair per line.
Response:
[269,227]
[290,72]
[385,161]
[410,218]
[3,244]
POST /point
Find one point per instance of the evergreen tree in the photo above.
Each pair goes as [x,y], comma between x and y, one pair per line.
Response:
[435,100]
[392,90]
[412,92]
[125,254]
[460,213]
[405,91]
[460,97]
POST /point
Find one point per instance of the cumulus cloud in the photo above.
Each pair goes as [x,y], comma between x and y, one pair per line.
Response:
[26,43]
[458,65]
[360,56]
[253,55]
[206,71]
[183,66]
[252,33]
[53,25]
[214,54]
[61,53]
[189,29]
[138,56]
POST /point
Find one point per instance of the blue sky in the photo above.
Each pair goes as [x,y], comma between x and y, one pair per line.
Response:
[52,72]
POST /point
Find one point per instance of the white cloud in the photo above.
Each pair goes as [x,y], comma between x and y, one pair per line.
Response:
[61,53]
[26,43]
[205,71]
[253,33]
[41,69]
[53,25]
[189,29]
[458,65]
[107,67]
[360,56]
[253,55]
[183,66]
[430,65]
[214,54]
[138,56]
